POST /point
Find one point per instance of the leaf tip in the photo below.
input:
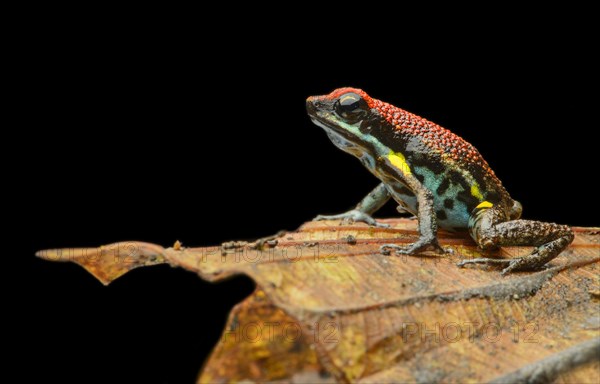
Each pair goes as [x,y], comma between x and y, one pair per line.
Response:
[50,254]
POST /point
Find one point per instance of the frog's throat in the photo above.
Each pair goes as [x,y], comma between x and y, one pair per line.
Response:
[348,140]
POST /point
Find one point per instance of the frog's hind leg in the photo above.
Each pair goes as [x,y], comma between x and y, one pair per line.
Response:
[363,210]
[489,228]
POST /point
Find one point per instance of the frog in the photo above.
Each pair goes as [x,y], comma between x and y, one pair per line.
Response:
[434,175]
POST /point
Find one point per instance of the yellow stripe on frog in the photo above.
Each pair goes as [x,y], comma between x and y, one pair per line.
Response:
[475,192]
[484,204]
[399,161]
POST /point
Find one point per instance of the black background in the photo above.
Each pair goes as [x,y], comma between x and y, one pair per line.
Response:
[141,137]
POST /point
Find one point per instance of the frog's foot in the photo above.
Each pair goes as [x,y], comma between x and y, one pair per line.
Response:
[420,246]
[537,259]
[353,216]
[516,264]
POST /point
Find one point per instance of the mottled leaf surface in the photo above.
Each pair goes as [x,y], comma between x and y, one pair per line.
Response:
[330,308]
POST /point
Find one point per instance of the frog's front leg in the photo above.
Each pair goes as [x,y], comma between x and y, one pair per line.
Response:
[363,210]
[490,230]
[425,213]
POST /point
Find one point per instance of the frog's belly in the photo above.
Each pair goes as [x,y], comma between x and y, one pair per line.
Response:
[452,214]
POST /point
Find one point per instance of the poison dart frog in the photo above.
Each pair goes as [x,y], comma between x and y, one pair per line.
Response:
[433,174]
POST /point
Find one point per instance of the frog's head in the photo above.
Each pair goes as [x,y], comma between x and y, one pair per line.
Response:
[346,115]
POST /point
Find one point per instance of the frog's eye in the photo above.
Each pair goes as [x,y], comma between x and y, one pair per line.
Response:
[351,106]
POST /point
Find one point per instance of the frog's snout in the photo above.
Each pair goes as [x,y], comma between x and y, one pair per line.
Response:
[312,105]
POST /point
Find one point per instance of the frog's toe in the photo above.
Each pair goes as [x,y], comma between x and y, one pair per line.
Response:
[353,216]
[484,260]
[413,249]
[423,247]
[379,225]
[386,249]
[323,217]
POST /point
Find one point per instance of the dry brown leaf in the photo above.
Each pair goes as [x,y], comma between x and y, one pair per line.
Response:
[330,308]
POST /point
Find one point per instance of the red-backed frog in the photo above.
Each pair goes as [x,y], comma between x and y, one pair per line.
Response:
[433,174]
